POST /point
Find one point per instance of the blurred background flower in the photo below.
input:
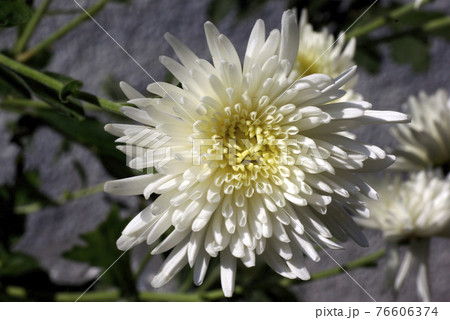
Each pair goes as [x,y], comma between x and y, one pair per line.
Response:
[410,213]
[320,52]
[425,142]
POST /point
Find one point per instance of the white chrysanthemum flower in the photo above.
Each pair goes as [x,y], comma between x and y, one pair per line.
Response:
[410,212]
[320,52]
[248,162]
[425,142]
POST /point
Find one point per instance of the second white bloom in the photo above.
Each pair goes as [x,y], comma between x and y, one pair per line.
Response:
[411,212]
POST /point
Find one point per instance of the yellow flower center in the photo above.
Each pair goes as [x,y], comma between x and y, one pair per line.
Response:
[248,144]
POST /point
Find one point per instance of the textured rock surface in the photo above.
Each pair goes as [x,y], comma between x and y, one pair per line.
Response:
[90,55]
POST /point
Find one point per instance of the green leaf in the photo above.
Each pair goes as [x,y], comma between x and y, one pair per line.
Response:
[14,12]
[247,7]
[12,84]
[27,190]
[418,18]
[70,85]
[439,28]
[369,58]
[443,32]
[58,94]
[22,129]
[100,250]
[60,100]
[40,59]
[71,108]
[411,50]
[16,263]
[218,9]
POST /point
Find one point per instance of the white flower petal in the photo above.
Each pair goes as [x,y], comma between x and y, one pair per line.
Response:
[255,43]
[130,186]
[227,272]
[170,241]
[129,91]
[186,56]
[380,117]
[156,229]
[176,260]
[201,266]
[298,267]
[277,263]
[289,36]
[249,258]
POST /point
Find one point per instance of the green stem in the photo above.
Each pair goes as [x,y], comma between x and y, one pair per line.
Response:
[31,73]
[16,292]
[433,25]
[218,294]
[30,27]
[114,296]
[436,24]
[97,101]
[65,197]
[97,296]
[26,104]
[12,104]
[56,12]
[57,85]
[62,32]
[381,21]
[365,261]
[81,193]
[188,297]
[166,296]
